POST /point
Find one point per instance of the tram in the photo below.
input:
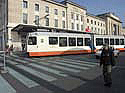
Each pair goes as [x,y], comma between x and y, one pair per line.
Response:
[53,43]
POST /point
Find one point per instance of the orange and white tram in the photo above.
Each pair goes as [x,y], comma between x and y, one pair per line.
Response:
[53,43]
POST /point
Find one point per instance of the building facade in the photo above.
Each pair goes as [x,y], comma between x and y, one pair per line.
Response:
[65,15]
[113,23]
[95,24]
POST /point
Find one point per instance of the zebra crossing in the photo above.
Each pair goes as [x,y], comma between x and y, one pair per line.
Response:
[50,69]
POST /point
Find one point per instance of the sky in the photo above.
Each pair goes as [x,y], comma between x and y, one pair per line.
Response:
[103,6]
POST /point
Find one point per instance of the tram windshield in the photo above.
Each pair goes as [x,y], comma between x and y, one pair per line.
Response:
[32,41]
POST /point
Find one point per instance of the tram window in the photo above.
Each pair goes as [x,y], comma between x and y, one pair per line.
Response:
[62,41]
[99,41]
[106,41]
[32,41]
[112,41]
[121,41]
[116,41]
[72,41]
[79,41]
[87,41]
[53,40]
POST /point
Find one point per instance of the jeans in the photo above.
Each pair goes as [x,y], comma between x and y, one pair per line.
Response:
[107,69]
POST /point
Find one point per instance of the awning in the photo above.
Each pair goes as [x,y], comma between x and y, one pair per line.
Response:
[33,28]
[24,28]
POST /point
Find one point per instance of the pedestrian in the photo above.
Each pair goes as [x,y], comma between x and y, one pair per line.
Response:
[11,49]
[106,61]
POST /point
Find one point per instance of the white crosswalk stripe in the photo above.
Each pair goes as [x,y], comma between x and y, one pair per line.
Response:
[37,73]
[48,69]
[26,81]
[69,65]
[5,87]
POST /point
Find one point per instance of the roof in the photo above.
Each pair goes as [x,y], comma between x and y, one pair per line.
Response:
[73,3]
[33,28]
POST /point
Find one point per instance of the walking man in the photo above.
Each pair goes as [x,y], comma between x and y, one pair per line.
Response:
[106,61]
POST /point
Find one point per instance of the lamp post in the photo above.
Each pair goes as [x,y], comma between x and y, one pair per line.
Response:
[4,32]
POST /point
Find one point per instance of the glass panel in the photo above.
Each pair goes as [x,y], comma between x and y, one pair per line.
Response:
[62,41]
[112,41]
[32,41]
[87,41]
[117,41]
[106,41]
[121,41]
[72,41]
[53,40]
[79,41]
[99,41]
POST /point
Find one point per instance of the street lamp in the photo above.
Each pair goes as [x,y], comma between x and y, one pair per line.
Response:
[4,31]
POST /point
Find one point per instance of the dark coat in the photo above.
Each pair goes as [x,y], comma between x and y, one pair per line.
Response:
[106,56]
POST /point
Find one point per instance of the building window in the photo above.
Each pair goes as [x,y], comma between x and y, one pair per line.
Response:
[77,26]
[36,20]
[25,4]
[87,20]
[81,27]
[72,25]
[56,22]
[101,24]
[47,21]
[92,28]
[63,13]
[77,17]
[25,18]
[91,21]
[98,23]
[56,11]
[72,15]
[36,7]
[81,18]
[47,9]
[63,24]
[95,22]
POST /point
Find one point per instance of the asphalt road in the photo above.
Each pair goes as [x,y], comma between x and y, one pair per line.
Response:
[96,85]
[60,74]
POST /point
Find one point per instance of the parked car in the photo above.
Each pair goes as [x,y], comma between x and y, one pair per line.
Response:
[98,53]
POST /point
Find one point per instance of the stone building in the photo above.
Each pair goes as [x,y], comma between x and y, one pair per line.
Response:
[113,23]
[95,24]
[24,16]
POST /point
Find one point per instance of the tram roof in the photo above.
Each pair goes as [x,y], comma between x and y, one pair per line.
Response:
[33,28]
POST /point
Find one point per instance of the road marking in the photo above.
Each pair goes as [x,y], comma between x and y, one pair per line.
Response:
[81,61]
[69,65]
[26,81]
[55,66]
[12,62]
[48,69]
[81,64]
[37,73]
[5,87]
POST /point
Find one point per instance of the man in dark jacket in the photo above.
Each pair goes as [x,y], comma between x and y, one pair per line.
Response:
[105,60]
